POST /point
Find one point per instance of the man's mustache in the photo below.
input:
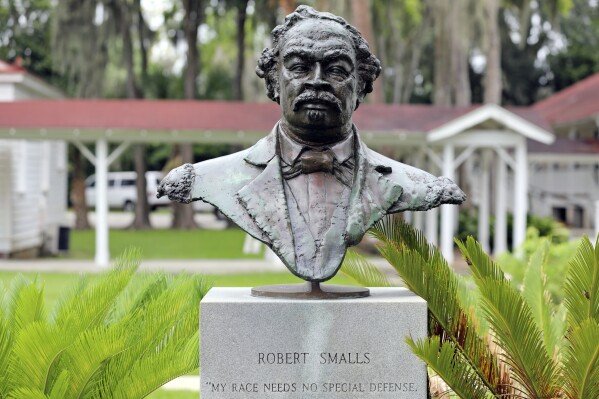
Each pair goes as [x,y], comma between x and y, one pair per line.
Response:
[311,96]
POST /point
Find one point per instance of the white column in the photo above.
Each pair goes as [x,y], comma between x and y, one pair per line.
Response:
[483,206]
[102,252]
[431,217]
[520,194]
[500,239]
[447,214]
[416,217]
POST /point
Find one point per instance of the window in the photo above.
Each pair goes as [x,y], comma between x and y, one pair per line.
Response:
[128,182]
[111,182]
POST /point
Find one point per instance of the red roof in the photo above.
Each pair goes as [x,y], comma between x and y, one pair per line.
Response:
[574,103]
[566,146]
[214,115]
[5,67]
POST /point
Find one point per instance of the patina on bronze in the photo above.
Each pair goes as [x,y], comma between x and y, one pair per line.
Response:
[311,188]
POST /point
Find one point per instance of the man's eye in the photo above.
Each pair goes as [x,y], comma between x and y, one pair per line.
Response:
[299,68]
[337,70]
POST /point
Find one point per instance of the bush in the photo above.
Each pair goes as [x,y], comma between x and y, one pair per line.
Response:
[534,347]
[123,336]
[546,227]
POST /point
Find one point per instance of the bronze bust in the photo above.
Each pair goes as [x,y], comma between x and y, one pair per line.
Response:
[311,188]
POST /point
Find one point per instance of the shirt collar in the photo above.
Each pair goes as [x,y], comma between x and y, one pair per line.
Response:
[291,149]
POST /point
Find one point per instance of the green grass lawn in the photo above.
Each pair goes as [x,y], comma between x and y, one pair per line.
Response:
[166,244]
[55,284]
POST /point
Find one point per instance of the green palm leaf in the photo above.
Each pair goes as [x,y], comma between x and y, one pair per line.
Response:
[582,284]
[359,269]
[581,361]
[513,324]
[5,348]
[517,333]
[88,355]
[35,349]
[61,386]
[89,304]
[544,311]
[27,393]
[24,304]
[423,269]
[444,358]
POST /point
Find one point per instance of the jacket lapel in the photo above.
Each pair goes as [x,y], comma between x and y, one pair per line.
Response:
[264,198]
[372,195]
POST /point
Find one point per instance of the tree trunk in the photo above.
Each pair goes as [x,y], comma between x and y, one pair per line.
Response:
[78,191]
[241,17]
[492,83]
[191,24]
[143,42]
[183,213]
[141,221]
[142,209]
[452,39]
[362,19]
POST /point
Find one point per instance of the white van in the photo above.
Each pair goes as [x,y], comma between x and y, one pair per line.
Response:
[122,193]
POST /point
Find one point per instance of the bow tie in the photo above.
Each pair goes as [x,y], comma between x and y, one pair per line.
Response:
[311,161]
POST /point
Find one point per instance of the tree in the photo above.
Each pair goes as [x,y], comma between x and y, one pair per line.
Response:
[81,54]
[452,44]
[580,58]
[183,213]
[128,16]
[401,30]
[241,6]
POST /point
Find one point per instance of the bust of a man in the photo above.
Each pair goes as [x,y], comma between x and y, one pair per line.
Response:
[311,188]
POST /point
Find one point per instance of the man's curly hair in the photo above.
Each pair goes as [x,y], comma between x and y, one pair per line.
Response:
[369,67]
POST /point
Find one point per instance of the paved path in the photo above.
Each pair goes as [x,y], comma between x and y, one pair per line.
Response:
[185,383]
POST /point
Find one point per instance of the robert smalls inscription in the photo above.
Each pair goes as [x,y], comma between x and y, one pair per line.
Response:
[311,188]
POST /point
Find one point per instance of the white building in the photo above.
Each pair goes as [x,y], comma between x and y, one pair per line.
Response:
[33,177]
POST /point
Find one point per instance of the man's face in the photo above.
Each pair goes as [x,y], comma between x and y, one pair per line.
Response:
[318,80]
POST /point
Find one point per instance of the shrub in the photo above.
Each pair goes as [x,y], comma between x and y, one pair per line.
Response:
[534,348]
[122,336]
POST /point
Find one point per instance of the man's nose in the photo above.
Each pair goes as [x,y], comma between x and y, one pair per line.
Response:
[316,80]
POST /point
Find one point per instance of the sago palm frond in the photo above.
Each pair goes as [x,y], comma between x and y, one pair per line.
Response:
[61,386]
[513,324]
[144,288]
[424,270]
[159,329]
[150,372]
[34,351]
[88,356]
[581,361]
[24,304]
[582,284]
[5,347]
[546,315]
[27,393]
[445,359]
[89,304]
[359,269]
[517,334]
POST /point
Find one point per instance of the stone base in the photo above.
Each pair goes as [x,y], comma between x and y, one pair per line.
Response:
[253,347]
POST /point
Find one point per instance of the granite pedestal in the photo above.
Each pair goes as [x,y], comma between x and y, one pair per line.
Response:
[278,348]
